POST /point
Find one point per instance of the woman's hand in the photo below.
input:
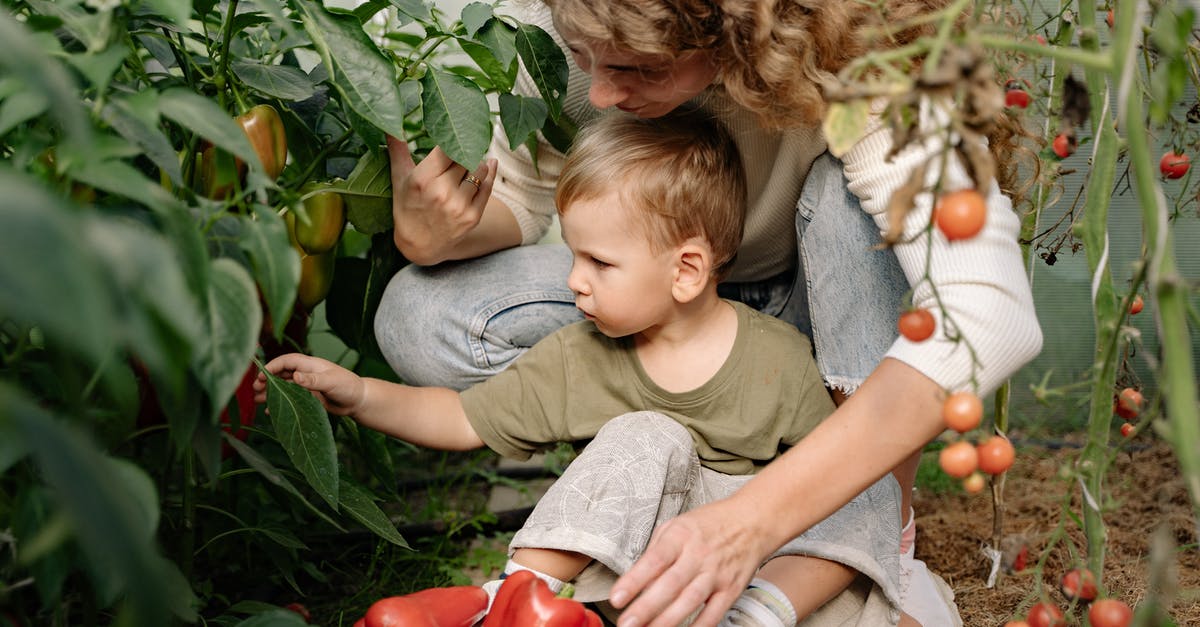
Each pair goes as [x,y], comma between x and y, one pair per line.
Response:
[341,392]
[703,557]
[436,203]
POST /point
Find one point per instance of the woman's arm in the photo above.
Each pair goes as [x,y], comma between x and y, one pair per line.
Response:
[708,555]
[430,417]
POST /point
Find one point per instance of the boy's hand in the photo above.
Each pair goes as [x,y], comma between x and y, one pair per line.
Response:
[338,389]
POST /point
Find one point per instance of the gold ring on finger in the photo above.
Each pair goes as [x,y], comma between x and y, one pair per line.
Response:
[470,178]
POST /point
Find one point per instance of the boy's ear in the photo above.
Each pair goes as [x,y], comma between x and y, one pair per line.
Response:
[693,270]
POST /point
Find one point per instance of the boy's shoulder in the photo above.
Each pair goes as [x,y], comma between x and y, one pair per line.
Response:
[767,332]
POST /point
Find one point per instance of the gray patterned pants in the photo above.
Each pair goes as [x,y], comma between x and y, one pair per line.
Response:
[642,470]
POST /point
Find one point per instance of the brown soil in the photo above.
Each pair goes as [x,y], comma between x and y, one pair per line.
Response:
[1146,494]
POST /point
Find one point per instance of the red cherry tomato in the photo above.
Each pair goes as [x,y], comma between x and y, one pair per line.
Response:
[1078,584]
[996,455]
[1129,403]
[1174,166]
[1128,430]
[1110,613]
[1109,18]
[959,459]
[960,214]
[1016,623]
[916,325]
[962,411]
[1063,145]
[1045,614]
[1136,306]
[1016,98]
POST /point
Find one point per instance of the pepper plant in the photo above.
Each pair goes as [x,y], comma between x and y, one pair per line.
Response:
[170,168]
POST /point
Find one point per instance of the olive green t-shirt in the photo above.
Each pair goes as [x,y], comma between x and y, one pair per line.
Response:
[766,396]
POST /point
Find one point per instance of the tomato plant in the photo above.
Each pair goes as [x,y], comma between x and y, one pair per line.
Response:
[960,214]
[916,325]
[1110,613]
[1136,306]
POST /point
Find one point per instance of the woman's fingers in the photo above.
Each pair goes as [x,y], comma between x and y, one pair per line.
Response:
[693,561]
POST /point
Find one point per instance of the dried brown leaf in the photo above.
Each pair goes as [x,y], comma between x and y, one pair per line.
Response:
[901,203]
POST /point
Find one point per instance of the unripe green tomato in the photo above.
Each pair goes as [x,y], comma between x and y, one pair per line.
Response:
[316,277]
[318,230]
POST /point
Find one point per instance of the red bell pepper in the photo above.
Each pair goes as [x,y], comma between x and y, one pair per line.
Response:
[526,601]
[454,606]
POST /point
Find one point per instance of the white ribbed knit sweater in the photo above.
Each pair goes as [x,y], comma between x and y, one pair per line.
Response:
[981,281]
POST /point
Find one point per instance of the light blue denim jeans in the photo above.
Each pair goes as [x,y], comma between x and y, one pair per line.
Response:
[458,323]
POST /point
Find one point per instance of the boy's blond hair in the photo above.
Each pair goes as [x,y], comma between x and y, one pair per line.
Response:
[680,176]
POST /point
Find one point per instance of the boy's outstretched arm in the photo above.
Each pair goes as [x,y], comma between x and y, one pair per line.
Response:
[430,417]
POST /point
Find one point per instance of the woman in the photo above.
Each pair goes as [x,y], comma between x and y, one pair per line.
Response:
[806,257]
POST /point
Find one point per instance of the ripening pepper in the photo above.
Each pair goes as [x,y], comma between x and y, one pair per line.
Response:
[526,601]
[264,127]
[316,277]
[320,227]
[219,173]
[454,606]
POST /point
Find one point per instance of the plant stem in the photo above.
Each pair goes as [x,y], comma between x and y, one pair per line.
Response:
[1177,377]
[222,77]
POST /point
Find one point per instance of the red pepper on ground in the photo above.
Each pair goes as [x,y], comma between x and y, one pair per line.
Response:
[454,606]
[526,601]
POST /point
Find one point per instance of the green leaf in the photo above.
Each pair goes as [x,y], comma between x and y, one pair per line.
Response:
[415,9]
[104,515]
[457,116]
[546,64]
[25,58]
[501,38]
[303,429]
[275,618]
[141,489]
[197,113]
[175,11]
[276,265]
[12,447]
[98,67]
[279,81]
[274,477]
[355,295]
[48,272]
[503,76]
[121,114]
[359,72]
[844,125]
[474,16]
[361,506]
[521,116]
[233,320]
[368,194]
[121,179]
[21,107]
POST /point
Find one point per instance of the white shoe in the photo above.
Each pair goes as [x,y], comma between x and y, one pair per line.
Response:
[924,595]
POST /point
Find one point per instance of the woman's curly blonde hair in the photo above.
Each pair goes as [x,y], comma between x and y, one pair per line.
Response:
[775,56]
[772,55]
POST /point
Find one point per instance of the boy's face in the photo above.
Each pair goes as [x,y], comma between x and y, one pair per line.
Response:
[619,283]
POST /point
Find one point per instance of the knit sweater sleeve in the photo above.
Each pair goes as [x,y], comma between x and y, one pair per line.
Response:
[985,296]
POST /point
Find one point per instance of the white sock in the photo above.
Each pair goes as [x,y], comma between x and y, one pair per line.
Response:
[493,586]
[763,604]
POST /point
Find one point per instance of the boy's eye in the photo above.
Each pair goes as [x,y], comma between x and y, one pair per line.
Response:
[599,263]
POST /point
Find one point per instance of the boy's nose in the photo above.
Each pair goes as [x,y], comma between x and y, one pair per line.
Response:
[605,93]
